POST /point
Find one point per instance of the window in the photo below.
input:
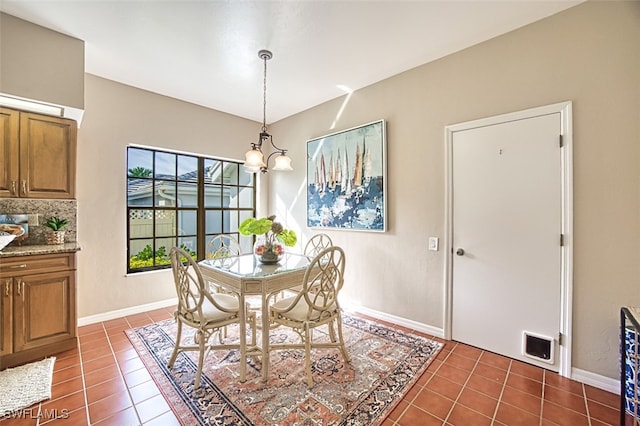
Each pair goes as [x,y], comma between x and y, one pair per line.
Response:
[184,200]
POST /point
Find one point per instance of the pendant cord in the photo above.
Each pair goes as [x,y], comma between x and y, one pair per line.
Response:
[264,97]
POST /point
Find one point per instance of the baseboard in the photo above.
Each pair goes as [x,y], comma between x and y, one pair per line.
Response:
[106,316]
[404,322]
[596,380]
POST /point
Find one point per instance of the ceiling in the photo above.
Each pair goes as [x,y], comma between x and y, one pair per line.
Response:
[206,52]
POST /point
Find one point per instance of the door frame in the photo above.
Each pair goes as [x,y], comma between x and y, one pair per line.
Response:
[566,158]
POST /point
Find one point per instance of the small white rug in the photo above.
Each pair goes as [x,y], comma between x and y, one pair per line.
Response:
[23,386]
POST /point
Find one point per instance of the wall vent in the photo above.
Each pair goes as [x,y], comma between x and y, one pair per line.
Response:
[538,347]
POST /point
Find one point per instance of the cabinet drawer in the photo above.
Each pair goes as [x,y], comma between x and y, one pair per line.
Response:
[22,265]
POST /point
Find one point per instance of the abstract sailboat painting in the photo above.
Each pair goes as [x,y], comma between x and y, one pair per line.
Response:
[346,179]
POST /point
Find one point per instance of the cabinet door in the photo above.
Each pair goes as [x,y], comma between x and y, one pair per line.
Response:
[44,309]
[6,315]
[9,151]
[47,156]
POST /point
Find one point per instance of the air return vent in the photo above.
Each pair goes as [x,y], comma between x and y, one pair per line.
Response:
[538,347]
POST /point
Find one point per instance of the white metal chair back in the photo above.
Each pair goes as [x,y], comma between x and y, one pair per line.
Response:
[222,246]
[316,244]
[322,283]
[190,287]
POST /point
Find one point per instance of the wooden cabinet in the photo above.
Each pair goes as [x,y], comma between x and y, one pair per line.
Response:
[6,309]
[38,307]
[9,152]
[38,153]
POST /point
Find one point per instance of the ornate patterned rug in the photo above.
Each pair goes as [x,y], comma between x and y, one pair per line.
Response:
[385,363]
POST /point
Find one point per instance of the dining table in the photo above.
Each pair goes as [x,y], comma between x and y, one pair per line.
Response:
[245,276]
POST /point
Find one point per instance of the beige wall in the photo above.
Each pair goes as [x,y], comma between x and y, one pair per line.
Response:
[41,64]
[117,115]
[589,55]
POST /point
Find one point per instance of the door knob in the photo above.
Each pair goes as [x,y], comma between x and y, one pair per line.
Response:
[460,252]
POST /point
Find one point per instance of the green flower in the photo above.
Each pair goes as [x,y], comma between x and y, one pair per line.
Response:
[271,229]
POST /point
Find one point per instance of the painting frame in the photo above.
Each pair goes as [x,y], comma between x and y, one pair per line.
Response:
[347,179]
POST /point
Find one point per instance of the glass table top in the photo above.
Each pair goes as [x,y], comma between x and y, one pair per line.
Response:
[247,266]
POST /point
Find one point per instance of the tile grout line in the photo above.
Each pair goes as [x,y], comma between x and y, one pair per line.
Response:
[84,383]
[84,386]
[40,416]
[432,376]
[39,412]
[582,386]
[544,387]
[120,375]
[422,387]
[504,385]
[586,402]
[145,368]
[464,385]
[135,409]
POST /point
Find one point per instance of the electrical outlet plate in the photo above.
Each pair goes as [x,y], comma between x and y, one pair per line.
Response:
[33,219]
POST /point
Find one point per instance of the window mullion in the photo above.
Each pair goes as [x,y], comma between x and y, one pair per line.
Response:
[200,214]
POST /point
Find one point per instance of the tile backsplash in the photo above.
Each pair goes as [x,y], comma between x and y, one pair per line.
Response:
[65,209]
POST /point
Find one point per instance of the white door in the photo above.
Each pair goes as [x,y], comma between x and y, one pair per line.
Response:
[506,201]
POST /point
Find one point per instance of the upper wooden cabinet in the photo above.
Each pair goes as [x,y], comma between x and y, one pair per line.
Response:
[9,152]
[37,154]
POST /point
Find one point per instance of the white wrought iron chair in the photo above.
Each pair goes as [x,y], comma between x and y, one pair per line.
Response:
[316,244]
[206,312]
[311,309]
[221,248]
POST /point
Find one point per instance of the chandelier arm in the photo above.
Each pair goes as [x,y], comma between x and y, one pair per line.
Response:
[265,169]
[281,150]
[272,154]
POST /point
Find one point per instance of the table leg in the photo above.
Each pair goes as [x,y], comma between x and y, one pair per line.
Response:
[265,338]
[242,314]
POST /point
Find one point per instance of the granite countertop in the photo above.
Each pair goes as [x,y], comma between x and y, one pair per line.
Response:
[27,250]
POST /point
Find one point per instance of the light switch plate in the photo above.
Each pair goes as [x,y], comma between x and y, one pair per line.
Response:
[433,243]
[33,219]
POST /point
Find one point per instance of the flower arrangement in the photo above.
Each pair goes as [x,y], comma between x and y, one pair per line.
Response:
[269,248]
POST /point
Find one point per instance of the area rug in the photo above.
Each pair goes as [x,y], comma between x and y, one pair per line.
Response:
[385,363]
[23,386]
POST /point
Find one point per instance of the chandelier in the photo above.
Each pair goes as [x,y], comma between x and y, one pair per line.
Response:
[254,158]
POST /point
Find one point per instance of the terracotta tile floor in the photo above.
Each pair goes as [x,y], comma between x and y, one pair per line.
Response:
[104,382]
